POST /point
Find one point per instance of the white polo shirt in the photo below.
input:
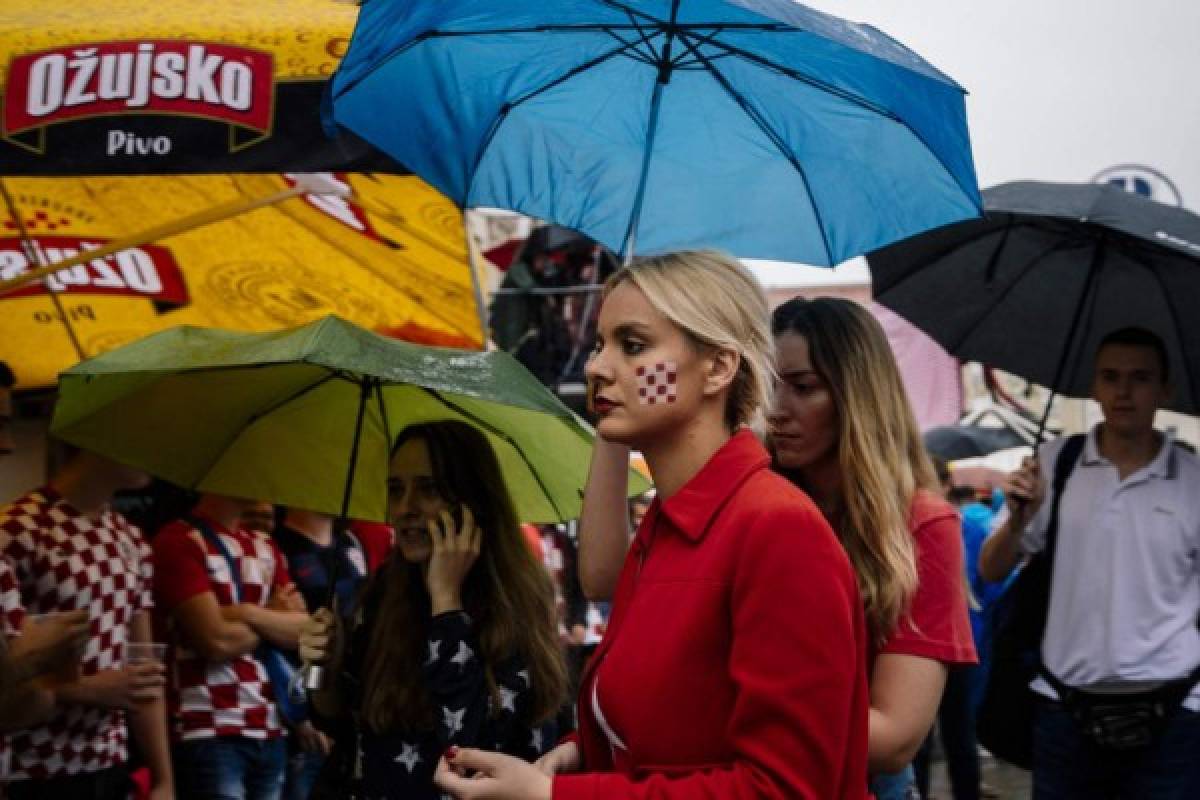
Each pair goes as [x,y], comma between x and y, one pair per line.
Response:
[1125,598]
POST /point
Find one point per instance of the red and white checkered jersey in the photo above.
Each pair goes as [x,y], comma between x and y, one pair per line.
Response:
[12,612]
[210,698]
[66,561]
[12,615]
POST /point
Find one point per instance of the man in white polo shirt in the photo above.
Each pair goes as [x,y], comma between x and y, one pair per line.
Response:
[1125,593]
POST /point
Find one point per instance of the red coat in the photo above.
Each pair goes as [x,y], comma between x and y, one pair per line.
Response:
[734,665]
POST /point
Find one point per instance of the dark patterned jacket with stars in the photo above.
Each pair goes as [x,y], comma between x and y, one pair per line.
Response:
[400,764]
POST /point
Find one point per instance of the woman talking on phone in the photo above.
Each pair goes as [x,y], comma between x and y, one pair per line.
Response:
[734,663]
[455,643]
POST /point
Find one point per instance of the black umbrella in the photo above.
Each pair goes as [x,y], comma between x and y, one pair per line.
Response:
[1050,269]
[953,442]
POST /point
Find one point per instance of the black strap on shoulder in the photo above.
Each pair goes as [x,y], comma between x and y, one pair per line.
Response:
[210,536]
[1068,457]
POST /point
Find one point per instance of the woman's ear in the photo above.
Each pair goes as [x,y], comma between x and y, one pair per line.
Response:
[723,365]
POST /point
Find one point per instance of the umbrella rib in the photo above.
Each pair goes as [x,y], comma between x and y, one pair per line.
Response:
[797,75]
[1075,337]
[387,428]
[504,110]
[492,429]
[770,133]
[776,27]
[255,417]
[1192,377]
[847,95]
[645,39]
[915,267]
[36,257]
[1008,290]
[629,243]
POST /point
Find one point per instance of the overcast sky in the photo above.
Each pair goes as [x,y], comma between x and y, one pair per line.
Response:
[1058,89]
[1061,89]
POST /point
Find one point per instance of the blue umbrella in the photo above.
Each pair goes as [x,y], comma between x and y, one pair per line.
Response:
[758,126]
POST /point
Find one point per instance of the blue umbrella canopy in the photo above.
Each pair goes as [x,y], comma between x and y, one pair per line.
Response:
[758,126]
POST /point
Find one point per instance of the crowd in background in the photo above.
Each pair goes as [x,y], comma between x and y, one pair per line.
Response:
[793,620]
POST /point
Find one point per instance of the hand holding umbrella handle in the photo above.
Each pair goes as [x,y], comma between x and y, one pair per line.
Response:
[317,644]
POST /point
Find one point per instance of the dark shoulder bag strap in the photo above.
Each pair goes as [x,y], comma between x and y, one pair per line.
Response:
[1064,464]
[1068,457]
[211,537]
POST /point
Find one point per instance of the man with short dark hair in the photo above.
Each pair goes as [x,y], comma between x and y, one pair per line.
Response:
[1121,642]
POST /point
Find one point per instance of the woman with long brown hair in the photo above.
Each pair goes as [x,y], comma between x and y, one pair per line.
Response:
[843,430]
[455,642]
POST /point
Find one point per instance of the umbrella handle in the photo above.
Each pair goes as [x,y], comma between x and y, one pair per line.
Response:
[310,678]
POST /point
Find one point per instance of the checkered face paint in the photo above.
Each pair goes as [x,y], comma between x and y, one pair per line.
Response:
[658,383]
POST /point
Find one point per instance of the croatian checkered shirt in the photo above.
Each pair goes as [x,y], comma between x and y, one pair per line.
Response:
[11,617]
[66,561]
[209,698]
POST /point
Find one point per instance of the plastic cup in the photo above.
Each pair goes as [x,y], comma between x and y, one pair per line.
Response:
[145,652]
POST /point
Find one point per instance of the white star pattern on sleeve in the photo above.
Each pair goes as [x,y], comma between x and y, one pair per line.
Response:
[507,699]
[535,741]
[409,757]
[434,645]
[453,720]
[463,655]
[524,676]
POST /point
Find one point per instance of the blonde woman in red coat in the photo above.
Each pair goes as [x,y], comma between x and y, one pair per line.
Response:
[734,665]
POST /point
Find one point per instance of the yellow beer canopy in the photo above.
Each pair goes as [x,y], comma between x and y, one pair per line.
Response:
[387,252]
[154,93]
[306,37]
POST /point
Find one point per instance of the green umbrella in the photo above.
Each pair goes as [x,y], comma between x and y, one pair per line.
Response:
[306,417]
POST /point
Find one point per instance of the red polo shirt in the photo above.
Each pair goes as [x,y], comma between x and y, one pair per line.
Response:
[734,664]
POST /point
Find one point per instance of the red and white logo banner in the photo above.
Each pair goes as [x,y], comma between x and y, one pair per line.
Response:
[214,81]
[148,271]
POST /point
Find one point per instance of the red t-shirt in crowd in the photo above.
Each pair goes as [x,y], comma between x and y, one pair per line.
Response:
[937,626]
[377,539]
[216,698]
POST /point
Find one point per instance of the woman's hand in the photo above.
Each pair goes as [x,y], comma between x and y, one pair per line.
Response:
[493,776]
[562,759]
[316,645]
[454,553]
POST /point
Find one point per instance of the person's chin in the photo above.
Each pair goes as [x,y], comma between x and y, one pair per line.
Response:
[790,456]
[415,548]
[415,554]
[614,430]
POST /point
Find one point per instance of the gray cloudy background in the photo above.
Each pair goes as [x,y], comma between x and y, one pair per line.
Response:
[1061,89]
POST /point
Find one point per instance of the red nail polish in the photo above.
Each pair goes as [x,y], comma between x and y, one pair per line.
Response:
[451,753]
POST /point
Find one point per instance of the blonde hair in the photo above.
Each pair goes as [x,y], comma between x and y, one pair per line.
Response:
[882,459]
[717,303]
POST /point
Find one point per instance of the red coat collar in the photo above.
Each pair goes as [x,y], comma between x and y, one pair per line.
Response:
[693,508]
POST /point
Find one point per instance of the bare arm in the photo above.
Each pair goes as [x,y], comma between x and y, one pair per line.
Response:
[148,722]
[23,702]
[280,628]
[1024,492]
[905,693]
[41,648]
[208,631]
[604,523]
